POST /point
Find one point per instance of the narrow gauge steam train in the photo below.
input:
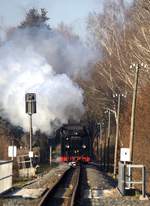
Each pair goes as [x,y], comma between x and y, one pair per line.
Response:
[75,143]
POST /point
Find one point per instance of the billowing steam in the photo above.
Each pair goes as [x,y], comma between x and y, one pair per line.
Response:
[44,65]
[44,62]
[128,2]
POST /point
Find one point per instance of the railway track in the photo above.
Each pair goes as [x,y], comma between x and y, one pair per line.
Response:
[64,191]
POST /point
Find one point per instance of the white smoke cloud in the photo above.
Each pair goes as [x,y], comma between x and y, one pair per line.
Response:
[66,56]
[129,3]
[43,65]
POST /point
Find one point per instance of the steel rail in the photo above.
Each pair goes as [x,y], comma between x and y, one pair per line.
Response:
[50,193]
[72,202]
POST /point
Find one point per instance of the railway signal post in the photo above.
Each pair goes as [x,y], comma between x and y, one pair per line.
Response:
[30,100]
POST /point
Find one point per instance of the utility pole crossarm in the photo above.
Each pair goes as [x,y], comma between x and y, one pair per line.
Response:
[113,111]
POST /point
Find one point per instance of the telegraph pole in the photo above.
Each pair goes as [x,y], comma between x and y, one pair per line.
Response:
[97,142]
[104,151]
[100,141]
[117,135]
[108,139]
[137,67]
[132,131]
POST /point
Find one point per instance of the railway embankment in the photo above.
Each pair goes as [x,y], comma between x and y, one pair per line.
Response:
[99,189]
[30,194]
[95,188]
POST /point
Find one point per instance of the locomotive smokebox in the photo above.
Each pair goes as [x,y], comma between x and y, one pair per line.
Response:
[30,101]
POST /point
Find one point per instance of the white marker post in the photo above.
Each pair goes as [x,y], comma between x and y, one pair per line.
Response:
[12,152]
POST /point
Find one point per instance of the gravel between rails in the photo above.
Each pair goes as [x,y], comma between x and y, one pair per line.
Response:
[94,180]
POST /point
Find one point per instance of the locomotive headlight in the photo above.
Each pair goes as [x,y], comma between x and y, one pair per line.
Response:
[84,146]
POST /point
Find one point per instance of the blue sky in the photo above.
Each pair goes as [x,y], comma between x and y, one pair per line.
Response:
[72,12]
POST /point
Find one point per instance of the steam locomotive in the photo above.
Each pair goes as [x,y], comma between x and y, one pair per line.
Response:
[75,143]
